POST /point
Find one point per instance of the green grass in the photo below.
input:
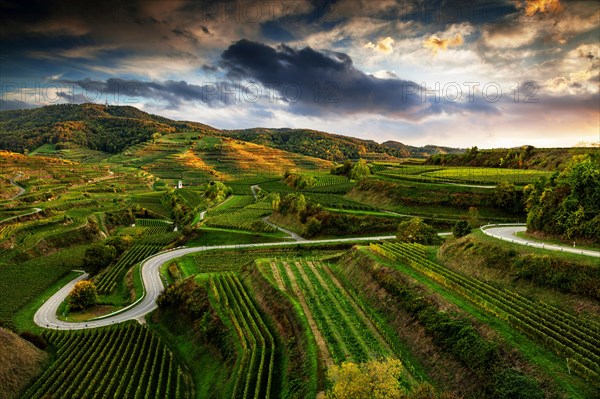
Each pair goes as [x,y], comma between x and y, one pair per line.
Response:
[207,369]
[551,364]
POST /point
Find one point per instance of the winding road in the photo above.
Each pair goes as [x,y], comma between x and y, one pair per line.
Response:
[153,285]
[509,233]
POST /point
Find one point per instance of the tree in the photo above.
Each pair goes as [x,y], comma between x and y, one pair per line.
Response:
[313,227]
[155,137]
[568,203]
[301,204]
[83,295]
[360,170]
[217,191]
[276,202]
[97,257]
[505,196]
[473,217]
[461,229]
[371,380]
[417,231]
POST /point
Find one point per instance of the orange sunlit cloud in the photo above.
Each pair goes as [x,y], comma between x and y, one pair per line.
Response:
[533,7]
[435,43]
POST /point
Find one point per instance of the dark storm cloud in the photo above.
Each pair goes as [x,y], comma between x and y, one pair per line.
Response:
[324,82]
[174,93]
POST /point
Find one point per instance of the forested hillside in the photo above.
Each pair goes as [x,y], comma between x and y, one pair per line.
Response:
[525,157]
[97,127]
[330,146]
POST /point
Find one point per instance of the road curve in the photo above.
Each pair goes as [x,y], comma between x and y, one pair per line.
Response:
[508,233]
[46,315]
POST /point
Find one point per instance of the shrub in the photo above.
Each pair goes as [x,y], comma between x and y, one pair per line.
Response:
[461,229]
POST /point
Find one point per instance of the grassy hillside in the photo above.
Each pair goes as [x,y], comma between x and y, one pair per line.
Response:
[20,362]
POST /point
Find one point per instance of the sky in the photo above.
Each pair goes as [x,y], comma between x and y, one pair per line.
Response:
[455,73]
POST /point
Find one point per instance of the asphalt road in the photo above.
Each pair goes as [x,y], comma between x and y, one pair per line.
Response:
[153,286]
[508,233]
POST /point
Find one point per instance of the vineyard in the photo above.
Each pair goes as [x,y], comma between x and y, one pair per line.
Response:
[254,367]
[576,339]
[109,280]
[240,212]
[346,330]
[232,260]
[337,202]
[467,175]
[123,362]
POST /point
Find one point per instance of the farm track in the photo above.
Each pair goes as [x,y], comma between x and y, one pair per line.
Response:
[292,235]
[21,189]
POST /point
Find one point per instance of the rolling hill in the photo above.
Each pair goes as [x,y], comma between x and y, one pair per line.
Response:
[112,129]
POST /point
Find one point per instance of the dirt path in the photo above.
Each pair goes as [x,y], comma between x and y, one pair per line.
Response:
[277,276]
[21,189]
[293,235]
[323,351]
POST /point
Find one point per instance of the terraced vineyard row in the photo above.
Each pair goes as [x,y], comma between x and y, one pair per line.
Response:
[254,367]
[108,281]
[233,203]
[462,174]
[347,332]
[247,219]
[151,222]
[231,260]
[576,339]
[337,202]
[121,362]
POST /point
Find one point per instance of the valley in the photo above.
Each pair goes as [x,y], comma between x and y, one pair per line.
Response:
[266,263]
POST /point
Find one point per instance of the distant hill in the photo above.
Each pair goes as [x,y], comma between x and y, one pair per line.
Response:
[112,129]
[525,157]
[97,127]
[425,151]
[332,147]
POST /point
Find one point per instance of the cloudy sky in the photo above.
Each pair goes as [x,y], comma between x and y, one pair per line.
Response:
[455,73]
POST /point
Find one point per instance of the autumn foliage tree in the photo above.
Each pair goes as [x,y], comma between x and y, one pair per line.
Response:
[83,295]
[417,231]
[376,379]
